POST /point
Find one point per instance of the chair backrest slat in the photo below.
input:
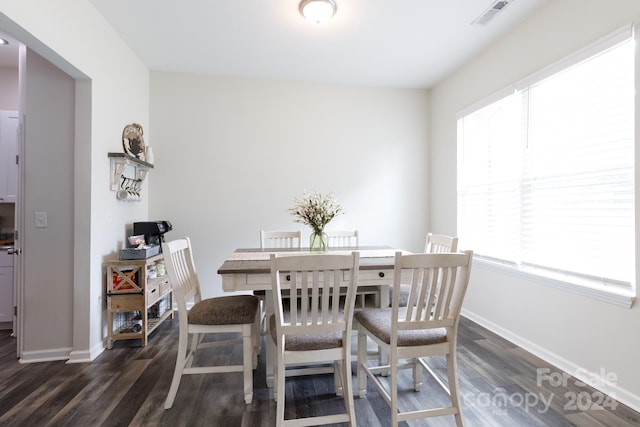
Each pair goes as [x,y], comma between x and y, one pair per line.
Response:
[337,280]
[438,284]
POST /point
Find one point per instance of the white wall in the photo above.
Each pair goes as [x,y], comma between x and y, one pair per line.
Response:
[48,187]
[112,91]
[232,153]
[8,88]
[571,331]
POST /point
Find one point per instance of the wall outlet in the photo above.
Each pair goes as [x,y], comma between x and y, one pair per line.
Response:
[41,219]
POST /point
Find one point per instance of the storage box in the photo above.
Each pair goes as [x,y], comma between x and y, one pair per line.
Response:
[134,253]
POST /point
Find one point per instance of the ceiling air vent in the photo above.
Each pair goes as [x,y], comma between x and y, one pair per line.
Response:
[491,12]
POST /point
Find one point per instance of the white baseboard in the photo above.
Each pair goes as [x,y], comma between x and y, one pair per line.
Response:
[62,354]
[85,356]
[6,326]
[79,357]
[97,349]
[593,379]
[50,355]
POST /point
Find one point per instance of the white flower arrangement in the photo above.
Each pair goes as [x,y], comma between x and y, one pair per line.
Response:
[316,210]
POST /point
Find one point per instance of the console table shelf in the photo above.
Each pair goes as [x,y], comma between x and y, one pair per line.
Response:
[136,303]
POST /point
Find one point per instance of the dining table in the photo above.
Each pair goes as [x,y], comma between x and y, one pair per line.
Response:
[248,269]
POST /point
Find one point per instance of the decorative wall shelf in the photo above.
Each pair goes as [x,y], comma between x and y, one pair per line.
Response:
[119,162]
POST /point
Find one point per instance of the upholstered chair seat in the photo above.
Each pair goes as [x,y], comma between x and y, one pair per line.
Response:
[307,342]
[229,310]
[378,322]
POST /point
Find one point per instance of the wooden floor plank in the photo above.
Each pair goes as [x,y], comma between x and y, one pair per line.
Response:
[127,386]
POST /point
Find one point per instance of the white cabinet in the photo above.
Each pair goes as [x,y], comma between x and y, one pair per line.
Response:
[6,286]
[8,151]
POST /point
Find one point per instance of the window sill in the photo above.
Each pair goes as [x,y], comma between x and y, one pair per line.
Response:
[619,295]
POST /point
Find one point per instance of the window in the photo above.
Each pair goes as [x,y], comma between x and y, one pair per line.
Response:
[546,172]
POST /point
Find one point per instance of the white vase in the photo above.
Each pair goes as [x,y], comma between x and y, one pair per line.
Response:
[149,155]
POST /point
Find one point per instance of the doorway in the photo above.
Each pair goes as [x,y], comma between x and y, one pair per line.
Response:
[9,119]
[53,106]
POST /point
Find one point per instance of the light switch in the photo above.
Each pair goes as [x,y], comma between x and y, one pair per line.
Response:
[41,219]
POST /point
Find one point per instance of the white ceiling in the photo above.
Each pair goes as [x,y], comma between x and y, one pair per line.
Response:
[390,43]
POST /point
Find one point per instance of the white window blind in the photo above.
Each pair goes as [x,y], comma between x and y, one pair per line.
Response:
[546,174]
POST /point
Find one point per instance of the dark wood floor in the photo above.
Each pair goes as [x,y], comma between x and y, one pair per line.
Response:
[126,386]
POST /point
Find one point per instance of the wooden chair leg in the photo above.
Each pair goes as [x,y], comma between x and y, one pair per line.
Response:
[256,339]
[417,375]
[452,376]
[261,320]
[195,341]
[393,392]
[347,386]
[279,389]
[337,378]
[177,372]
[271,361]
[248,342]
[362,359]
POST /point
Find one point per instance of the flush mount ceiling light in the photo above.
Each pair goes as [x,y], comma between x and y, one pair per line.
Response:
[318,11]
[3,41]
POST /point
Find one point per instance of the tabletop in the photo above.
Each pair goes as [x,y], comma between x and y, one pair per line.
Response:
[256,260]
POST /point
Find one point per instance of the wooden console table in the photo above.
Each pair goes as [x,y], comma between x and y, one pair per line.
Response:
[136,304]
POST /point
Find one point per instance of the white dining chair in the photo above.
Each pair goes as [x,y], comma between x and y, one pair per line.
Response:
[342,238]
[280,239]
[427,326]
[315,327]
[351,239]
[227,314]
[435,243]
[275,239]
[439,243]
